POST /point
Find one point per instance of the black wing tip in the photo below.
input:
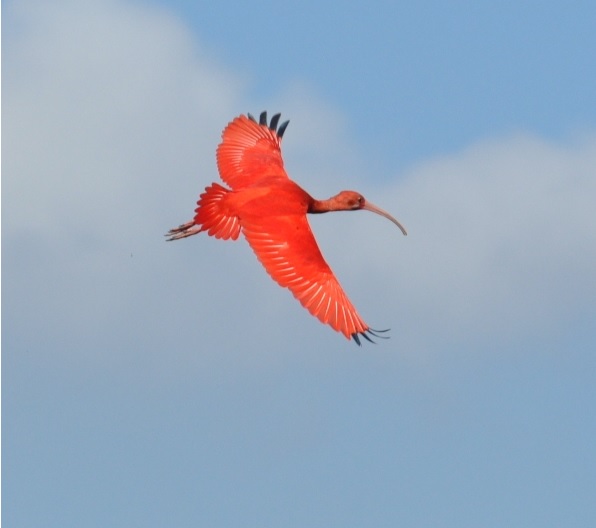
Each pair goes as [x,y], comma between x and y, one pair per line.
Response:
[368,335]
[272,124]
[282,128]
[274,121]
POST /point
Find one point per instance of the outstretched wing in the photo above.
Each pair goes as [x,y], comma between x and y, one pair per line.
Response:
[287,248]
[250,151]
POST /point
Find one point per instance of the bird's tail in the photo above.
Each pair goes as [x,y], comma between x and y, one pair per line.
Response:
[212,216]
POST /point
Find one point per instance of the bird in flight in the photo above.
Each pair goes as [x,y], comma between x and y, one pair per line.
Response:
[270,210]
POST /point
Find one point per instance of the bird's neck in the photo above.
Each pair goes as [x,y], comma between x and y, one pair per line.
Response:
[322,206]
[318,206]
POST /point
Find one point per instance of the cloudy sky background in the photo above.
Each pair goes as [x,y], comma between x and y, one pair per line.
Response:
[153,384]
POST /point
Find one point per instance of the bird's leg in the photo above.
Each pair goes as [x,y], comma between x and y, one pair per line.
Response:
[183,231]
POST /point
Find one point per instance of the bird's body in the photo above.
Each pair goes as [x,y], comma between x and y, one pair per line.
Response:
[270,209]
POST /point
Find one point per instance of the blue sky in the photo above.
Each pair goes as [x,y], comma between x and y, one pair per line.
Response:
[152,384]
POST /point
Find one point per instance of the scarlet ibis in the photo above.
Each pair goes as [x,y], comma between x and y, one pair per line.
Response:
[270,209]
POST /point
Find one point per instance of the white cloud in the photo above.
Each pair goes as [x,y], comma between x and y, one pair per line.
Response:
[111,116]
[502,242]
[102,97]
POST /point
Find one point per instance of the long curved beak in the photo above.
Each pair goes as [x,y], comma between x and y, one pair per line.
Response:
[373,208]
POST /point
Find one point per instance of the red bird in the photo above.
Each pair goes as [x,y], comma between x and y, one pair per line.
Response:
[270,209]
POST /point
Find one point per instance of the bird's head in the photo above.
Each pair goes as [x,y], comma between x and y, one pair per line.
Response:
[353,201]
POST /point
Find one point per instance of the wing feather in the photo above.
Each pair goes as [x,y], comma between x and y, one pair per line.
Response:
[287,248]
[249,152]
